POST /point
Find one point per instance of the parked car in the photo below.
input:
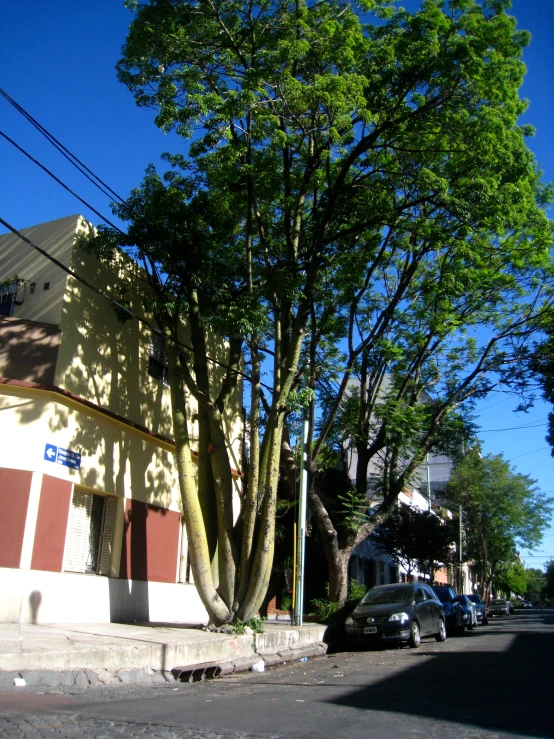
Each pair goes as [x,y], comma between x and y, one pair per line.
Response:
[453,614]
[498,608]
[403,612]
[480,608]
[526,604]
[468,610]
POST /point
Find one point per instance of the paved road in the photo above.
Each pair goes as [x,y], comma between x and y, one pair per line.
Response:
[496,681]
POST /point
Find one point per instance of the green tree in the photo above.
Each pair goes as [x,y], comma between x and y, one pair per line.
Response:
[536,582]
[549,588]
[415,539]
[511,577]
[350,171]
[502,510]
[541,364]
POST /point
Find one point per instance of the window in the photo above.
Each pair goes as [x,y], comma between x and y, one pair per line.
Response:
[8,295]
[90,528]
[157,363]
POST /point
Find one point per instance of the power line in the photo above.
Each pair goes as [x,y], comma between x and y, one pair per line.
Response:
[75,161]
[526,453]
[45,169]
[114,302]
[514,428]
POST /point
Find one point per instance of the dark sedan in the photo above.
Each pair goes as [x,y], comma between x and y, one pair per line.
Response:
[480,608]
[403,612]
[499,608]
[453,613]
[469,611]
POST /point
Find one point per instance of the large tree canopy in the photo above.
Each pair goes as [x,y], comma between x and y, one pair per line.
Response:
[350,171]
[502,510]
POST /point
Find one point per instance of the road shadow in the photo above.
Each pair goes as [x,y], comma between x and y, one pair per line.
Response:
[507,690]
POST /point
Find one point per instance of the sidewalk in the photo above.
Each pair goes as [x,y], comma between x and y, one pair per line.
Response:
[104,653]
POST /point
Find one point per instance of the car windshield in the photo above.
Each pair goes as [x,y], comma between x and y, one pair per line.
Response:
[442,594]
[498,602]
[474,598]
[379,596]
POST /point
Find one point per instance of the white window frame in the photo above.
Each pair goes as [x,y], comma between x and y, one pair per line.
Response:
[78,529]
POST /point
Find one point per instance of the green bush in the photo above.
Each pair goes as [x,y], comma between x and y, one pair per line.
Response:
[256,624]
[356,590]
[286,602]
[330,612]
[324,608]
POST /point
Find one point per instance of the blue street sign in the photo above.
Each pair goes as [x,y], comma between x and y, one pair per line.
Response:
[65,457]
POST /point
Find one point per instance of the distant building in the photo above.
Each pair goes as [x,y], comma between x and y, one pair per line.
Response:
[91,527]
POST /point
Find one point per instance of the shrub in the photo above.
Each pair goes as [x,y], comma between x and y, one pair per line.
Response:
[256,624]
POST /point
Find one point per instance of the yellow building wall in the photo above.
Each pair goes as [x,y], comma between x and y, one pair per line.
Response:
[104,361]
[19,259]
[114,459]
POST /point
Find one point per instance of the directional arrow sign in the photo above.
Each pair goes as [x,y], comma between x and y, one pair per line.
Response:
[65,457]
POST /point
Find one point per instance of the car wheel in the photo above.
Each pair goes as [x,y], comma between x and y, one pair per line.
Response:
[415,637]
[441,634]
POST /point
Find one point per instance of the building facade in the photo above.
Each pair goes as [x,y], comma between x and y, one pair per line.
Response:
[91,527]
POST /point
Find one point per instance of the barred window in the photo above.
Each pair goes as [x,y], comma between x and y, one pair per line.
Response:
[90,529]
[8,295]
[157,363]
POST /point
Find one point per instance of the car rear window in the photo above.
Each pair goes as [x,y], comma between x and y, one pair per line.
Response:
[443,593]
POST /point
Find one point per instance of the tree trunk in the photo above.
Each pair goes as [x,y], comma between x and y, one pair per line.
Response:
[197,539]
[338,576]
[337,558]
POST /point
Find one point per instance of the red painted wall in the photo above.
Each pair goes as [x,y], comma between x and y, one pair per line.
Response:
[53,512]
[150,543]
[15,486]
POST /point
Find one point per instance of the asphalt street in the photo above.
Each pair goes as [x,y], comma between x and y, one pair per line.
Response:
[496,681]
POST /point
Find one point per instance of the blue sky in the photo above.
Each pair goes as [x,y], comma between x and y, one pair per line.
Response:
[57,61]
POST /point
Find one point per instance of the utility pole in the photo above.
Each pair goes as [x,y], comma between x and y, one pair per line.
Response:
[460,551]
[460,540]
[301,529]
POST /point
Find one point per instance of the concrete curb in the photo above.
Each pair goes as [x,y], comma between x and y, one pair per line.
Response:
[137,662]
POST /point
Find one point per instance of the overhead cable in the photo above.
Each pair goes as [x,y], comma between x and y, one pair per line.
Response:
[80,199]
[74,160]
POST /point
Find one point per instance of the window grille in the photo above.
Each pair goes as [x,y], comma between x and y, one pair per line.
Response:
[8,297]
[157,363]
[90,530]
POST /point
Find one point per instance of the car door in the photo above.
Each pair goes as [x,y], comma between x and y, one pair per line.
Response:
[435,607]
[422,607]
